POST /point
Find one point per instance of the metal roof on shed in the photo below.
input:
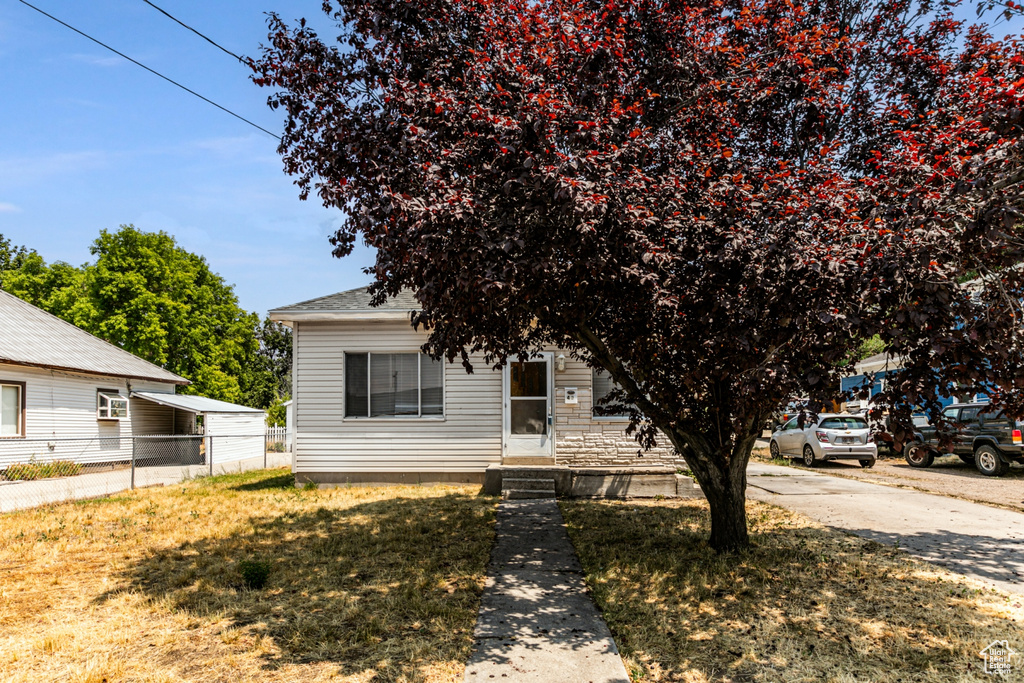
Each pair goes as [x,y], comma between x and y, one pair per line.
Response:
[193,404]
[31,336]
[353,300]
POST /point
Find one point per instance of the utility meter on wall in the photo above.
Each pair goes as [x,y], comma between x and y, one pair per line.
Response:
[571,396]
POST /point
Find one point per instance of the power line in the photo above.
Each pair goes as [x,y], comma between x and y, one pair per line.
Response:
[183,24]
[155,73]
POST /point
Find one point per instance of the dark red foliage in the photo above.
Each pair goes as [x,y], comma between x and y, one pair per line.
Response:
[714,201]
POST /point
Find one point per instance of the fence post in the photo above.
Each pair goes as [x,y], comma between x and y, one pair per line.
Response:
[134,442]
[209,452]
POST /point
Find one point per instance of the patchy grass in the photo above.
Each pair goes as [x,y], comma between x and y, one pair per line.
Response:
[765,456]
[32,470]
[364,584]
[804,604]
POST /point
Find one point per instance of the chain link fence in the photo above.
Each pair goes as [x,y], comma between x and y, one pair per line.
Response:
[37,472]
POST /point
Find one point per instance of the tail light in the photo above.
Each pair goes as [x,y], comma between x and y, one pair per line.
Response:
[1016,436]
[822,436]
[871,438]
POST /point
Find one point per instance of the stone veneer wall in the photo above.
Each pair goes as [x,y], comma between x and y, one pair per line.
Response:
[582,441]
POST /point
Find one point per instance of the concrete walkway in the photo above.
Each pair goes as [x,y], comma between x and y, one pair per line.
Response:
[537,621]
[975,540]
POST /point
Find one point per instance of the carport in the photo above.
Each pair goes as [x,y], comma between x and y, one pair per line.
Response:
[221,431]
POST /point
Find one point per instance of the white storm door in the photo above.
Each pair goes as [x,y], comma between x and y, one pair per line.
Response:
[528,419]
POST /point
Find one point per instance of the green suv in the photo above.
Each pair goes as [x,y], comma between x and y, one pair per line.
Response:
[986,438]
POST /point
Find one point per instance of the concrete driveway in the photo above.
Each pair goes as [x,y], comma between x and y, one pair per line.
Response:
[976,540]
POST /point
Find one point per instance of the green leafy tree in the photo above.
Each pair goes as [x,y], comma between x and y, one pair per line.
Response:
[151,297]
[275,342]
[163,303]
[277,414]
[58,288]
[11,256]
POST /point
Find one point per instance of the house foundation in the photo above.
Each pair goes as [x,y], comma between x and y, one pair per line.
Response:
[588,482]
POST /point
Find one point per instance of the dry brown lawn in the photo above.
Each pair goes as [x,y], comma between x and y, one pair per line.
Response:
[806,603]
[378,584]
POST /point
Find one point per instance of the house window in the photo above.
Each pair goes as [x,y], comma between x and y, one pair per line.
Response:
[393,385]
[603,385]
[12,410]
[111,405]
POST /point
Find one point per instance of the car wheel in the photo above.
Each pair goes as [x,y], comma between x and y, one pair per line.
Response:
[969,459]
[809,456]
[867,462]
[773,449]
[918,455]
[989,462]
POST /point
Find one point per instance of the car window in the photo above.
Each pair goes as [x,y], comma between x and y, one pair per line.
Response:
[951,413]
[991,418]
[844,423]
[790,425]
[970,414]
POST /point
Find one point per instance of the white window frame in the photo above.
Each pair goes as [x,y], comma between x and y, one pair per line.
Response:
[419,388]
[104,398]
[594,398]
[20,421]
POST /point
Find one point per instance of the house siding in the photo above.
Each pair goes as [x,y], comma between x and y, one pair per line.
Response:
[584,441]
[150,418]
[466,439]
[60,417]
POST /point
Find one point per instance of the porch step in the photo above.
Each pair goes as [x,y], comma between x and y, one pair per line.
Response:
[528,461]
[521,482]
[524,494]
[523,488]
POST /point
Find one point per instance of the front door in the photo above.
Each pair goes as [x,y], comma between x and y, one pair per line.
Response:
[529,411]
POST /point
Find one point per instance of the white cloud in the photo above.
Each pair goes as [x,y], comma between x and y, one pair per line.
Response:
[7,207]
[36,169]
[95,60]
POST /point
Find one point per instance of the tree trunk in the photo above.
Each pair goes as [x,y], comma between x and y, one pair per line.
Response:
[722,476]
[728,513]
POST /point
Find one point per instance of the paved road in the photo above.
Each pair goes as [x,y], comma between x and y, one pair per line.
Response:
[976,540]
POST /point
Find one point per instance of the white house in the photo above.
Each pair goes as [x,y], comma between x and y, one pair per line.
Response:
[368,406]
[66,394]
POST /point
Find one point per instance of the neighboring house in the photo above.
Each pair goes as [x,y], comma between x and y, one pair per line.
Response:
[877,367]
[66,394]
[874,367]
[368,406]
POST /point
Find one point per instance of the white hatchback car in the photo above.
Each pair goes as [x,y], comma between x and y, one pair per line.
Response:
[830,437]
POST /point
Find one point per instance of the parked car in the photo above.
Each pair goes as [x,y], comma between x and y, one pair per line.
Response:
[831,437]
[986,438]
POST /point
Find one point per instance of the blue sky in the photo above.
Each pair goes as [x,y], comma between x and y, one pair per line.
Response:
[89,141]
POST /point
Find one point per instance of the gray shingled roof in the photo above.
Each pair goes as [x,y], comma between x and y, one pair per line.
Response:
[353,300]
[31,336]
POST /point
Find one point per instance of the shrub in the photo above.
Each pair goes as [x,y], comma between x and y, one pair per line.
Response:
[33,470]
[254,573]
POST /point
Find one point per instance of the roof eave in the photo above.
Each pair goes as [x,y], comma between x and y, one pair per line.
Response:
[283,315]
[180,381]
[153,398]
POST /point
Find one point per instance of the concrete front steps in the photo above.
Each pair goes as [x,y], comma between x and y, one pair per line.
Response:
[524,483]
[514,482]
